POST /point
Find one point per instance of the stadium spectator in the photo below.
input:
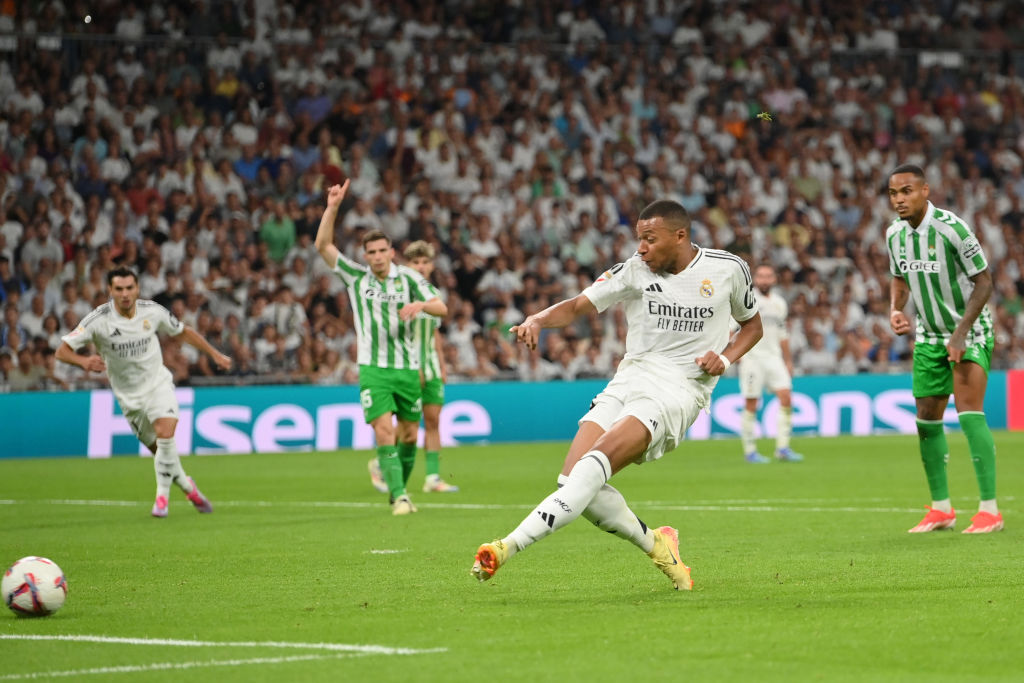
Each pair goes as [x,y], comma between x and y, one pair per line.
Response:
[493,98]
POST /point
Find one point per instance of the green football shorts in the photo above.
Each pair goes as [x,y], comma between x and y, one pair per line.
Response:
[933,373]
[433,392]
[390,390]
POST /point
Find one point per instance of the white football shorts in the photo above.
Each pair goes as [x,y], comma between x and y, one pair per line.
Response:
[143,411]
[757,373]
[666,408]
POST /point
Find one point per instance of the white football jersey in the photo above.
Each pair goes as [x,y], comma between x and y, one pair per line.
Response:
[674,319]
[129,346]
[774,311]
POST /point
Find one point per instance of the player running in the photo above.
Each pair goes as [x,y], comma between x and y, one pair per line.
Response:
[124,331]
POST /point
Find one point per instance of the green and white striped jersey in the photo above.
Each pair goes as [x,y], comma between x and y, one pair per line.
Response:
[426,325]
[385,340]
[937,260]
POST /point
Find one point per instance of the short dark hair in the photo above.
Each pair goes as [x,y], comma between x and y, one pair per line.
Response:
[912,169]
[121,271]
[671,211]
[373,236]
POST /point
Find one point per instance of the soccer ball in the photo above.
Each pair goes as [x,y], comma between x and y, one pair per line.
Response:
[34,587]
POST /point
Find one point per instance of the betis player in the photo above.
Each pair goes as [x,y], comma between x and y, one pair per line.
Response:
[385,299]
[124,331]
[420,256]
[934,257]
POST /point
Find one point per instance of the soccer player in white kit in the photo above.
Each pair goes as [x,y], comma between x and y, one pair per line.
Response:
[124,331]
[679,300]
[769,364]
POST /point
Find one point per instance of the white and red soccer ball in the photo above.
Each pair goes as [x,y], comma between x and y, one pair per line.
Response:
[34,587]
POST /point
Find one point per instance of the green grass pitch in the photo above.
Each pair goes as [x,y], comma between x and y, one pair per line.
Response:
[803,572]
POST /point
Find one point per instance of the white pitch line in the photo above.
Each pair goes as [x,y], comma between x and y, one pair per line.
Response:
[753,505]
[164,666]
[172,642]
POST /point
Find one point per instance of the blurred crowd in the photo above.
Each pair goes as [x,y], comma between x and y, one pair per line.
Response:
[194,141]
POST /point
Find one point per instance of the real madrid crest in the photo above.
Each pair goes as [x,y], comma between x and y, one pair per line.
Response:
[145,325]
[707,290]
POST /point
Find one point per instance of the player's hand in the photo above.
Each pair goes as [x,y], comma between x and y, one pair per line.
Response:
[711,363]
[94,364]
[411,310]
[336,193]
[956,347]
[223,362]
[899,322]
[527,332]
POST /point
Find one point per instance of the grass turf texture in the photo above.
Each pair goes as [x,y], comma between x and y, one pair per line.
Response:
[803,571]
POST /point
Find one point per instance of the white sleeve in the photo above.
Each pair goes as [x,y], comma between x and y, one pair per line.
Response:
[613,285]
[743,301]
[167,323]
[84,332]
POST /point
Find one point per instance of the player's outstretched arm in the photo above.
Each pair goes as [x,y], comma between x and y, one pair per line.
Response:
[66,354]
[193,338]
[975,304]
[899,293]
[557,315]
[325,232]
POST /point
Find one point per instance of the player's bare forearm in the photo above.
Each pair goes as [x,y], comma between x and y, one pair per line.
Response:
[749,334]
[975,304]
[194,339]
[435,307]
[716,363]
[66,354]
[557,315]
[976,301]
[324,241]
[899,293]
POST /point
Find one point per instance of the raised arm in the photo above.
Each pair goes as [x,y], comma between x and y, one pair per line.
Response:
[557,315]
[325,233]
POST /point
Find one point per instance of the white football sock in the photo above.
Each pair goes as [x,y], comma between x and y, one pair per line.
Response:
[565,504]
[168,468]
[988,506]
[785,428]
[747,431]
[943,505]
[610,512]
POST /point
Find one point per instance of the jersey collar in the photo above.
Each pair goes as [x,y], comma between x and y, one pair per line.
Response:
[928,211]
[392,273]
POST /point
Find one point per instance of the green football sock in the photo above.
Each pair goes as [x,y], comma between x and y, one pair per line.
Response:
[433,463]
[934,454]
[983,452]
[407,454]
[391,469]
